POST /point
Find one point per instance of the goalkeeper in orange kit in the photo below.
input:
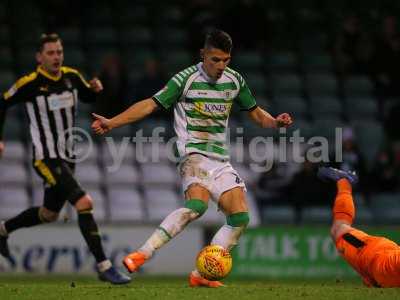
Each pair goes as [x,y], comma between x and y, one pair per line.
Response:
[376,259]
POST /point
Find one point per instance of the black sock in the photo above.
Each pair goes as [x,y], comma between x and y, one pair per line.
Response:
[27,218]
[90,232]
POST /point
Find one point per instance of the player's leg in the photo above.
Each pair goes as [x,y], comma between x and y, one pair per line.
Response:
[192,170]
[233,204]
[230,193]
[83,204]
[30,217]
[343,208]
[34,215]
[90,231]
[348,240]
[195,206]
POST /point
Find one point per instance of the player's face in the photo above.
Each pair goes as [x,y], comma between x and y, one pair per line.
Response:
[51,57]
[215,61]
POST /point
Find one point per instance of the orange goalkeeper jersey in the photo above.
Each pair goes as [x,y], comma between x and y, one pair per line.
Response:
[376,259]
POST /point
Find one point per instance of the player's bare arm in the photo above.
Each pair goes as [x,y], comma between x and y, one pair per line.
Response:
[265,120]
[134,113]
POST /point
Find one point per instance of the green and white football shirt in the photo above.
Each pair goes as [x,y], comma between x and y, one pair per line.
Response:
[202,107]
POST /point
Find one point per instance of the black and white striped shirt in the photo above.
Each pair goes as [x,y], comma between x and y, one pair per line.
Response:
[50,103]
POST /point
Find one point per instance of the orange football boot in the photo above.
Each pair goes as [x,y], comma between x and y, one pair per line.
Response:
[198,281]
[133,261]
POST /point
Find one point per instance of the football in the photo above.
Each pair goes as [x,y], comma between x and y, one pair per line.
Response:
[214,262]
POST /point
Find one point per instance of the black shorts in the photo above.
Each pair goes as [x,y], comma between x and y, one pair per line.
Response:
[60,184]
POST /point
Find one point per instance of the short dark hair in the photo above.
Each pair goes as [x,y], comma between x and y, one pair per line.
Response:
[218,39]
[47,38]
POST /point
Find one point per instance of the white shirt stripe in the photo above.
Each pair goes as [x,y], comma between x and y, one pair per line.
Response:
[176,81]
[75,91]
[70,124]
[34,129]
[210,94]
[234,79]
[60,133]
[41,101]
[205,122]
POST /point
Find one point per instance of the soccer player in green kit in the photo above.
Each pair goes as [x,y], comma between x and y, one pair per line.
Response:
[202,96]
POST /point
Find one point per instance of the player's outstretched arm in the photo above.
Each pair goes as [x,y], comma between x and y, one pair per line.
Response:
[19,92]
[134,113]
[265,120]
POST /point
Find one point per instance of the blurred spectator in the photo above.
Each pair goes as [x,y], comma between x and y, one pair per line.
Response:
[386,59]
[352,48]
[386,172]
[112,100]
[307,190]
[353,159]
[271,185]
[152,80]
[389,29]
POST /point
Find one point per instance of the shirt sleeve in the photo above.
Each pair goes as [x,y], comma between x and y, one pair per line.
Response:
[169,94]
[85,93]
[15,94]
[245,98]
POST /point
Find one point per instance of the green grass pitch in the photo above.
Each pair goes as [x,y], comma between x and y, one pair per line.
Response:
[143,287]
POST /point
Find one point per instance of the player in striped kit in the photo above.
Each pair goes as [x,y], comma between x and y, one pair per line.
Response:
[50,95]
[202,96]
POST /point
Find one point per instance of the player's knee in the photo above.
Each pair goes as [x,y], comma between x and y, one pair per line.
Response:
[333,233]
[47,216]
[84,204]
[240,219]
[199,207]
[338,228]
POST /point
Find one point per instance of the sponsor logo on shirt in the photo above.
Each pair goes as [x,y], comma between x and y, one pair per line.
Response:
[220,109]
[215,108]
[59,101]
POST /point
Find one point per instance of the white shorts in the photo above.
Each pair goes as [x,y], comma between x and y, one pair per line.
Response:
[214,175]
